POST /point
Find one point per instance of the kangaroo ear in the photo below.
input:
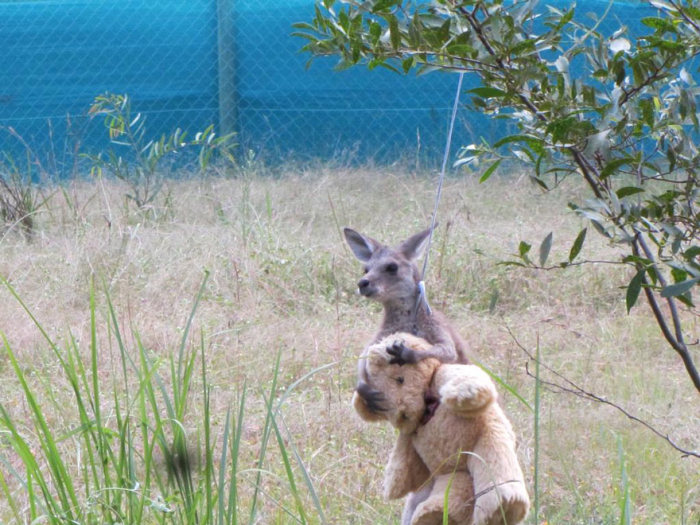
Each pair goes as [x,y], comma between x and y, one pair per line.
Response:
[363,247]
[412,247]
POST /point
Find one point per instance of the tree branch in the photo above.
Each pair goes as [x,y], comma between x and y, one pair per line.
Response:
[677,342]
[569,387]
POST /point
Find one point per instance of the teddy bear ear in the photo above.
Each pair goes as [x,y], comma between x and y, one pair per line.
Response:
[377,354]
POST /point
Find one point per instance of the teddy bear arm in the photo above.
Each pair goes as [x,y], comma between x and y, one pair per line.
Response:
[466,389]
[405,471]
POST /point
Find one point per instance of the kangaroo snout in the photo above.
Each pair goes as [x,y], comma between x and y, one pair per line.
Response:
[363,286]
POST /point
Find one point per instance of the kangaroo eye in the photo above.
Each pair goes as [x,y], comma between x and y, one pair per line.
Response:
[399,380]
[365,270]
[391,267]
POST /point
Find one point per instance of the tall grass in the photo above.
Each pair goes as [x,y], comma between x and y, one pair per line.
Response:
[141,392]
[140,451]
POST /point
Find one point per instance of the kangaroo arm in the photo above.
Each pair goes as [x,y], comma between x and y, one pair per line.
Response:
[445,352]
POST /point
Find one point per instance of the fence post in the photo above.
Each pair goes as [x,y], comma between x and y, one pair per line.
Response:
[226,68]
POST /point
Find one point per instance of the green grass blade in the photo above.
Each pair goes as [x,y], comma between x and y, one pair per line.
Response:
[307,478]
[536,504]
[208,487]
[33,470]
[6,489]
[263,442]
[188,324]
[624,499]
[303,378]
[221,483]
[505,385]
[287,463]
[62,481]
[235,451]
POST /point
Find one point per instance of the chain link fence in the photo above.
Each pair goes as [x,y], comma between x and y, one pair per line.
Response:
[190,63]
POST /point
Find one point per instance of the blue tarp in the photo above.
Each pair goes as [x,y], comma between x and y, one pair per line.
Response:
[57,55]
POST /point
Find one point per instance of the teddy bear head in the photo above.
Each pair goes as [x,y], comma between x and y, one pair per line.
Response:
[406,394]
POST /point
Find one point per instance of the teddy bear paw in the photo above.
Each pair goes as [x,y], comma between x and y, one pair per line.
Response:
[499,507]
[466,397]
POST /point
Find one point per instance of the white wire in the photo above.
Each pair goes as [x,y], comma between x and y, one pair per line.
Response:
[448,145]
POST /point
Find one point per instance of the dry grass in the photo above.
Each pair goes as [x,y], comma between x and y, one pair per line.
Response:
[281,279]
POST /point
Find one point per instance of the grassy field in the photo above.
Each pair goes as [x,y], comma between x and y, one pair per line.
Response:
[262,264]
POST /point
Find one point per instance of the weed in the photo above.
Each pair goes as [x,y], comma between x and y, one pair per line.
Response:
[20,195]
[138,160]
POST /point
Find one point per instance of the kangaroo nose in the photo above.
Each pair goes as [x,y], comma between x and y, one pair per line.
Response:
[364,283]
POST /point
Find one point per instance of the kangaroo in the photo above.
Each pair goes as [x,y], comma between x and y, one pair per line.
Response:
[391,277]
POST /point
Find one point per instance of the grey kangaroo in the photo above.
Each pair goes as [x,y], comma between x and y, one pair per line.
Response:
[391,277]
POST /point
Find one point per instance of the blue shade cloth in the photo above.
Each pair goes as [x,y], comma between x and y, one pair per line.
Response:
[57,55]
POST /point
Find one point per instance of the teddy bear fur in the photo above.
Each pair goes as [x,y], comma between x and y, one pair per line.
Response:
[452,432]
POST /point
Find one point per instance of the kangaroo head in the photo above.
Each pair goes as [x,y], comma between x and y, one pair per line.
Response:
[391,274]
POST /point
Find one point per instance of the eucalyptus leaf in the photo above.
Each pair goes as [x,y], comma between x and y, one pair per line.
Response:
[490,170]
[578,244]
[633,289]
[674,290]
[545,248]
[487,92]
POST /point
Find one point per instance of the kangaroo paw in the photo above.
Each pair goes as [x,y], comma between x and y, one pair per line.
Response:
[401,354]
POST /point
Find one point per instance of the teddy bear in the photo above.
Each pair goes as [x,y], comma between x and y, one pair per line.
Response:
[452,436]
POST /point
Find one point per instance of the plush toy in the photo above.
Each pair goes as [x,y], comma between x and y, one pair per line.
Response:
[452,434]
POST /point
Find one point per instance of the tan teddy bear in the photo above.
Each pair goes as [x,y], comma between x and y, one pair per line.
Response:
[452,433]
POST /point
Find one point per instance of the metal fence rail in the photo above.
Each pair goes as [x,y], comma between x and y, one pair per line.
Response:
[190,63]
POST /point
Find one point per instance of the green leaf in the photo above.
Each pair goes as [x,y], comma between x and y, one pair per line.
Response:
[523,249]
[487,92]
[490,171]
[545,248]
[628,190]
[692,252]
[534,143]
[578,244]
[612,166]
[600,228]
[343,20]
[633,289]
[660,24]
[384,5]
[461,50]
[375,31]
[561,128]
[674,290]
[647,109]
[525,46]
[394,33]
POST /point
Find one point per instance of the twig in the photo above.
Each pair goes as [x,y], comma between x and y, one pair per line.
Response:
[569,387]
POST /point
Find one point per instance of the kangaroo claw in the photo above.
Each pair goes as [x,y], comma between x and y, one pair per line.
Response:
[401,354]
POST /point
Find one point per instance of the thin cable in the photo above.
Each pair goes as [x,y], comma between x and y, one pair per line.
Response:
[421,285]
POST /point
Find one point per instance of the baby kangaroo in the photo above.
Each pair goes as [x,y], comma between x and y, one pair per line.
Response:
[391,277]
